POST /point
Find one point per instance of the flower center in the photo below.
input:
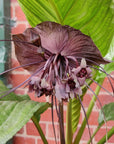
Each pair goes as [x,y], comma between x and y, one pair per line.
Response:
[46,91]
[82,73]
[71,83]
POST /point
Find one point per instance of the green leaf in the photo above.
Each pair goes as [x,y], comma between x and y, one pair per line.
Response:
[94,19]
[15,112]
[108,110]
[76,107]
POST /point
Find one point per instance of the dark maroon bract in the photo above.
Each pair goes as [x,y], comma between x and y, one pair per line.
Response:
[64,54]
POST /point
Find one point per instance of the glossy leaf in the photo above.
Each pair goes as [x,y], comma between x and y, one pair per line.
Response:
[76,107]
[109,67]
[15,112]
[94,19]
[108,110]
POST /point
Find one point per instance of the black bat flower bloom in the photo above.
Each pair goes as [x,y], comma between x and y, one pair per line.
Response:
[60,56]
[59,59]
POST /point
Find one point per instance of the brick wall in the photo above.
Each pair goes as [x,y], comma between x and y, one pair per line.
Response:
[28,134]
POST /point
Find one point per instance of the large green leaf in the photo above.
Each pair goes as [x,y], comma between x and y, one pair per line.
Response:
[15,112]
[108,110]
[76,107]
[93,18]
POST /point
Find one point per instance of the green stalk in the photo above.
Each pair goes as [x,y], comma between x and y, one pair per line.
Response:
[91,105]
[109,134]
[69,123]
[36,122]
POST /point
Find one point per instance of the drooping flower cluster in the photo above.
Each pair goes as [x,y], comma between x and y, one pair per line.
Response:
[61,56]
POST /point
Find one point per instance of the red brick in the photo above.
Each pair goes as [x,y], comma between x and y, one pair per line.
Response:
[21,131]
[12,11]
[107,85]
[20,91]
[50,130]
[111,140]
[23,140]
[110,123]
[93,86]
[17,79]
[86,100]
[13,1]
[101,133]
[47,116]
[19,14]
[32,130]
[39,141]
[105,99]
[20,28]
[15,64]
[86,135]
[93,120]
[38,99]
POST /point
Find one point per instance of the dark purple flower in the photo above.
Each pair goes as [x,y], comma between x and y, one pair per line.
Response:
[61,56]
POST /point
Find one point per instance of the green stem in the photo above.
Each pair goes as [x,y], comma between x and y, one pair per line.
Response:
[69,123]
[97,129]
[91,105]
[109,134]
[36,122]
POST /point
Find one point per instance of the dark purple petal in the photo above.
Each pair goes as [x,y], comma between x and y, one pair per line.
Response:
[82,46]
[53,36]
[29,52]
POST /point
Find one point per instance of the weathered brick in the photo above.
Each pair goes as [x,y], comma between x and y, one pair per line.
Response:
[15,64]
[50,130]
[21,131]
[86,135]
[23,140]
[93,120]
[17,79]
[19,14]
[32,130]
[47,116]
[20,28]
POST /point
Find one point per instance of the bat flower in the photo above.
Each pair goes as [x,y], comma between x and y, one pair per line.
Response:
[58,57]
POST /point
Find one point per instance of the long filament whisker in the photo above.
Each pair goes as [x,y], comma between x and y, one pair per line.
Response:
[13,89]
[20,67]
[101,71]
[16,41]
[53,120]
[85,118]
[101,86]
[100,106]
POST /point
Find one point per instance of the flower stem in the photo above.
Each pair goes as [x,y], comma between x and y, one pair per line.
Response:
[36,122]
[109,134]
[61,123]
[69,123]
[91,105]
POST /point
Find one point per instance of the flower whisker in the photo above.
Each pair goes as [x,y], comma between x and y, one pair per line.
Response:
[101,71]
[101,86]
[100,107]
[85,118]
[13,89]
[11,69]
